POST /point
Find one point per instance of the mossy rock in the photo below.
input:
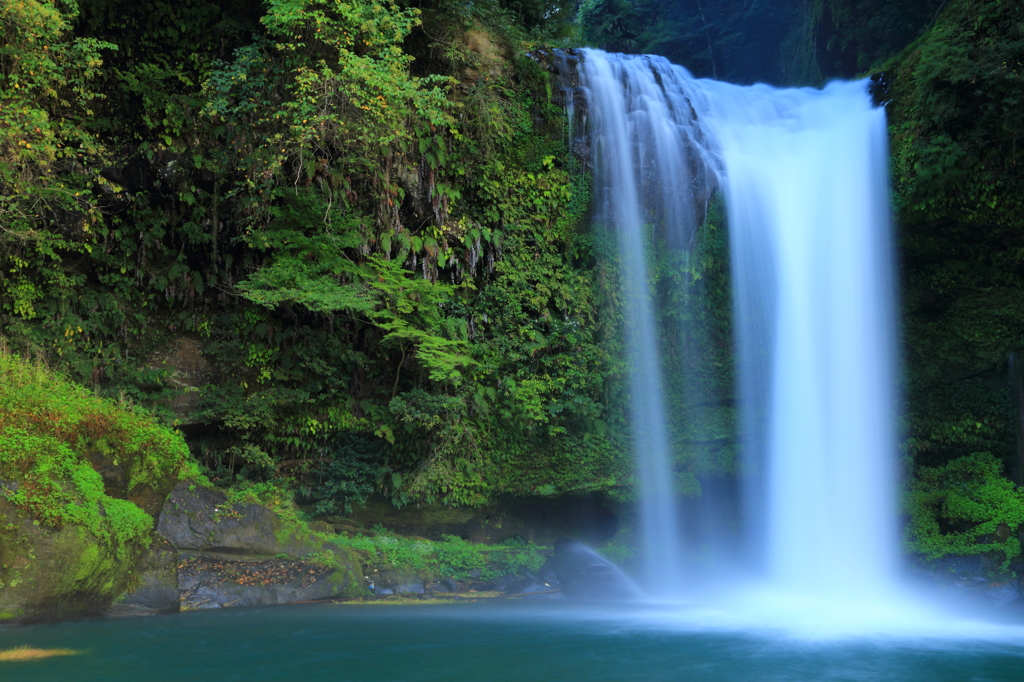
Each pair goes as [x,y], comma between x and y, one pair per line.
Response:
[154,588]
[51,573]
[202,519]
[52,431]
[243,554]
[80,479]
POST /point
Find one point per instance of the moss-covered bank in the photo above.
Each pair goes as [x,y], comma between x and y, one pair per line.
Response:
[80,480]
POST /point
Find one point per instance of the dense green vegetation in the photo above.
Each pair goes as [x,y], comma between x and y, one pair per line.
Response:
[453,557]
[54,435]
[370,228]
[955,116]
[81,479]
[782,42]
[963,506]
[366,216]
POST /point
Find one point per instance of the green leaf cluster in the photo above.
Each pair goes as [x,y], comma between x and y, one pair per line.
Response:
[47,203]
[371,229]
[965,507]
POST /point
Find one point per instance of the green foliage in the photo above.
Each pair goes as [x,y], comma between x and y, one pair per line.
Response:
[348,479]
[308,189]
[786,42]
[965,507]
[408,309]
[953,102]
[55,486]
[377,237]
[958,118]
[734,40]
[51,429]
[46,200]
[452,557]
[37,402]
[852,37]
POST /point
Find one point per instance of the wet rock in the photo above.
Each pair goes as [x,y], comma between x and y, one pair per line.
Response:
[234,555]
[519,585]
[532,589]
[321,527]
[54,573]
[410,587]
[390,581]
[505,583]
[971,583]
[586,575]
[198,518]
[211,581]
[443,586]
[189,372]
[548,573]
[157,588]
[492,55]
[1001,595]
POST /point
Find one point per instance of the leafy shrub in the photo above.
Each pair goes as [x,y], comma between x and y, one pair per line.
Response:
[965,507]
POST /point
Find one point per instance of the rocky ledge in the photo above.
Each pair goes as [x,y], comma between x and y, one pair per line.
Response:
[211,553]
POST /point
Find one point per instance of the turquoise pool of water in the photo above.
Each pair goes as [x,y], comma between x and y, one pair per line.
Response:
[509,641]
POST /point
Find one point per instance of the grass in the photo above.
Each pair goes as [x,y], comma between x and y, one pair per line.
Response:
[28,653]
[451,557]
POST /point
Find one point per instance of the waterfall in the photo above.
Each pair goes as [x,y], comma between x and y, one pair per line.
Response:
[804,177]
[629,122]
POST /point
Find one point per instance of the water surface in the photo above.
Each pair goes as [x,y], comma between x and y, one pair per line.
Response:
[508,641]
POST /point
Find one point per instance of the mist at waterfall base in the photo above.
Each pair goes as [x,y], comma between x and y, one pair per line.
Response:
[804,174]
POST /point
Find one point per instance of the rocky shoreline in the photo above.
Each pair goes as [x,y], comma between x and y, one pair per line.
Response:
[208,552]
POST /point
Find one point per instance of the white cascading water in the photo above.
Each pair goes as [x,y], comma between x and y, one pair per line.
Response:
[804,174]
[624,139]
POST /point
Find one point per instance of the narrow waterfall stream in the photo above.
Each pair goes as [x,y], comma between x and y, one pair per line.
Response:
[804,176]
[632,127]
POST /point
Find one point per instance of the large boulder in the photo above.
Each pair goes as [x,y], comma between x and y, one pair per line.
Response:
[48,573]
[202,519]
[155,589]
[81,479]
[215,553]
[207,581]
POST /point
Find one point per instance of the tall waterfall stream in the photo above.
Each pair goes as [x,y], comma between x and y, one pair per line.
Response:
[804,177]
